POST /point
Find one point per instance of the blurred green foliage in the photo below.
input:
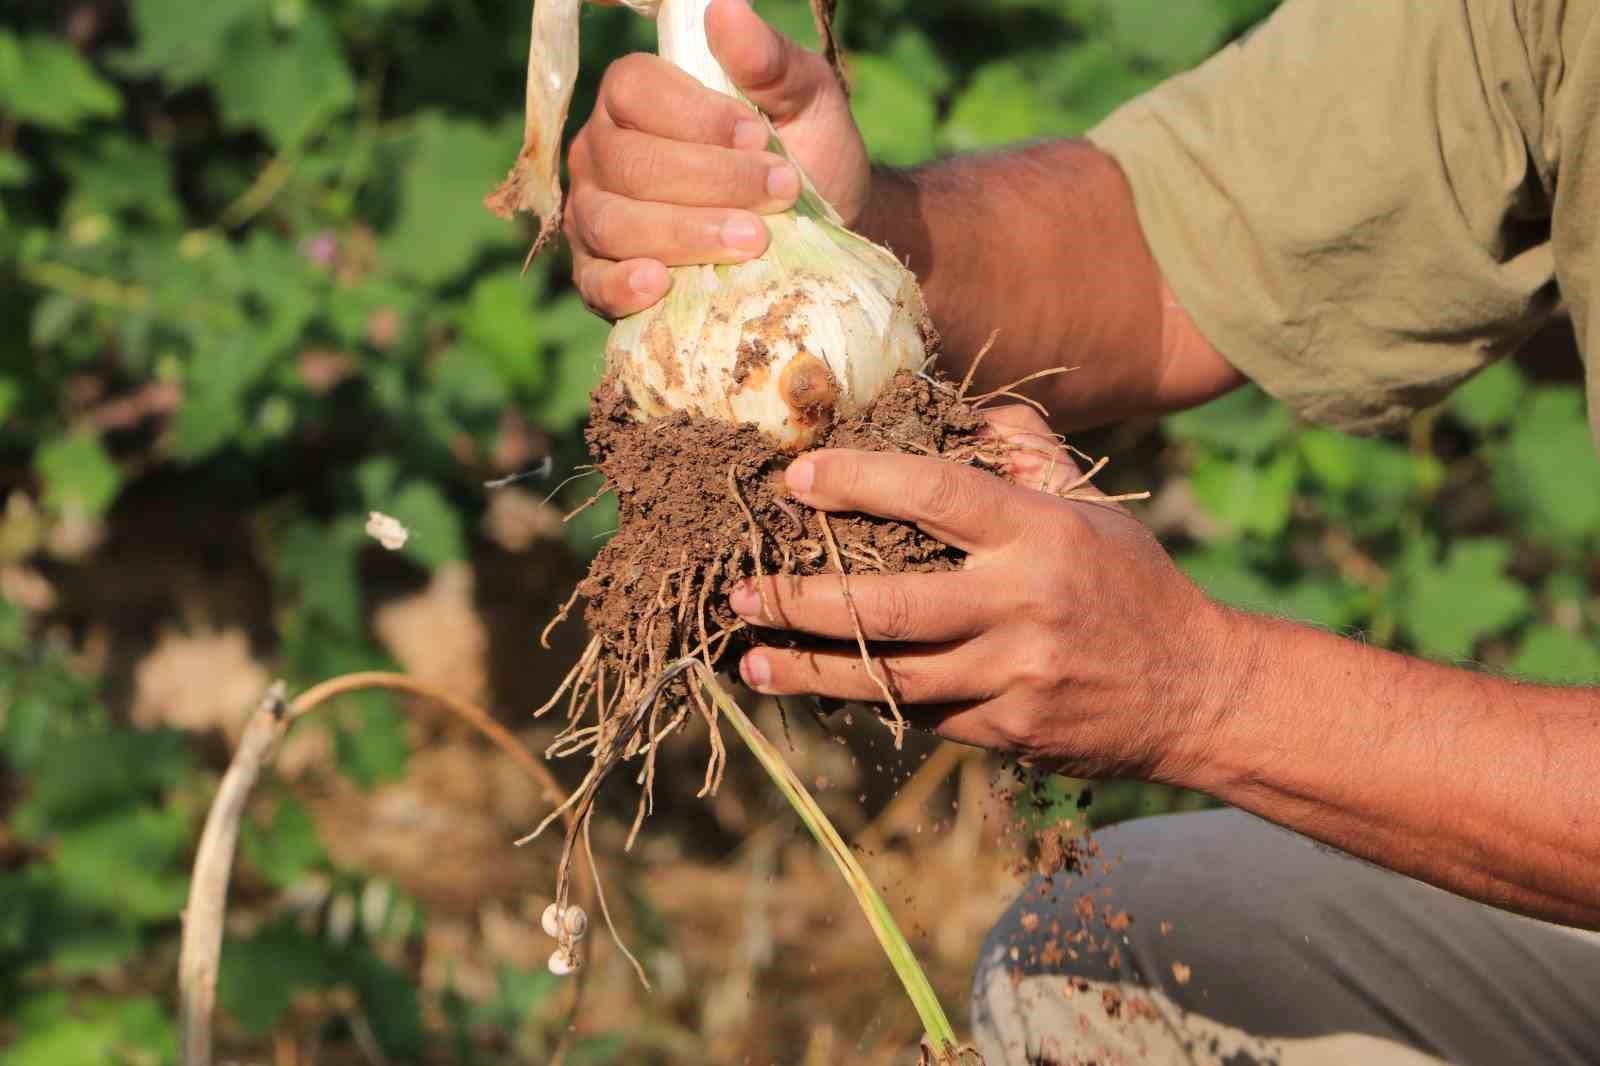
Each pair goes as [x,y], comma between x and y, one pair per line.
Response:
[261,219]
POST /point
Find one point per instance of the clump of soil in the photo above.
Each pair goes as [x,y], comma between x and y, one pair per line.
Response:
[702,506]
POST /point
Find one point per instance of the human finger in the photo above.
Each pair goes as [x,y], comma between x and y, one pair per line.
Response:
[615,290]
[778,76]
[888,607]
[935,673]
[650,95]
[964,507]
[642,166]
[1034,455]
[617,228]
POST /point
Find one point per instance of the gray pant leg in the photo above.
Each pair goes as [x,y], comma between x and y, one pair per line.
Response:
[1246,944]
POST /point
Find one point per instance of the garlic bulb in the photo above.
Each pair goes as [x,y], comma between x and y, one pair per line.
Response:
[809,332]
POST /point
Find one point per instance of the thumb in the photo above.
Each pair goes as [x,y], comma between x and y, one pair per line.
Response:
[778,76]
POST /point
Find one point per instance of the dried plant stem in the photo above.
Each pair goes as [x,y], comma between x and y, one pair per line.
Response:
[201,950]
[936,1025]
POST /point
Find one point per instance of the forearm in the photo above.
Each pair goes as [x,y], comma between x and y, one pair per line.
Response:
[1479,785]
[1043,245]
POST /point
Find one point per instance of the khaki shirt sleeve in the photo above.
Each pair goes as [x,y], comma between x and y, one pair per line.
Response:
[1363,204]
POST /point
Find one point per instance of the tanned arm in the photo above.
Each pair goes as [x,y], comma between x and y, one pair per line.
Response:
[1043,245]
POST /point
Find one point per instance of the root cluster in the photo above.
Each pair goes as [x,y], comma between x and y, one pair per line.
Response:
[702,507]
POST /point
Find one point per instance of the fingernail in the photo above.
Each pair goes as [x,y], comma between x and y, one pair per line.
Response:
[801,473]
[744,233]
[645,280]
[783,183]
[757,671]
[745,601]
[750,135]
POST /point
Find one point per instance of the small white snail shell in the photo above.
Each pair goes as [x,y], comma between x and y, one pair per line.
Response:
[576,921]
[551,921]
[564,964]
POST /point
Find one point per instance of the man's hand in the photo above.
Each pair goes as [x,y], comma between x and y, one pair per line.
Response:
[1069,638]
[669,173]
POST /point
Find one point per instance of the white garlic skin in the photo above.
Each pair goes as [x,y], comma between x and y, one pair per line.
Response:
[809,333]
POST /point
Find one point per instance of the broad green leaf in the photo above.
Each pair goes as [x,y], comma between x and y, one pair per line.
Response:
[102,1032]
[118,173]
[1227,576]
[1175,36]
[260,975]
[442,226]
[1448,608]
[287,846]
[897,115]
[1550,472]
[436,535]
[319,564]
[127,863]
[285,83]
[1329,604]
[10,391]
[500,321]
[577,357]
[78,473]
[911,53]
[44,82]
[1548,653]
[375,750]
[1245,422]
[184,41]
[1245,497]
[14,170]
[998,107]
[1490,399]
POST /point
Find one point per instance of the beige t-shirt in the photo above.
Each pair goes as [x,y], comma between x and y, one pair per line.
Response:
[1364,202]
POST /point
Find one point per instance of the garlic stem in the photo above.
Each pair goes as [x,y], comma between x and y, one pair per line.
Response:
[681,33]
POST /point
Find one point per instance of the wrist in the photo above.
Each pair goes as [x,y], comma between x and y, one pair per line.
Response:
[1212,704]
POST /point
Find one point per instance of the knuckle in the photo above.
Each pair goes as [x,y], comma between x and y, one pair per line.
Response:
[596,223]
[896,611]
[625,79]
[943,494]
[637,168]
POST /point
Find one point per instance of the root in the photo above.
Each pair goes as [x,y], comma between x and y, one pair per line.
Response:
[898,726]
[977,361]
[755,541]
